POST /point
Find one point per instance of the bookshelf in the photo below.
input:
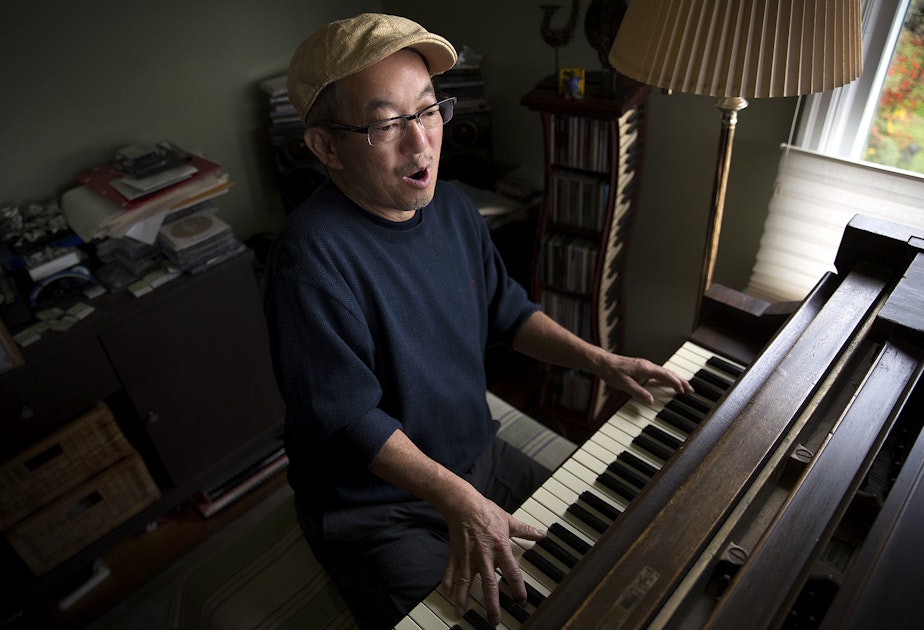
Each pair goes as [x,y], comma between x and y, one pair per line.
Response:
[593,157]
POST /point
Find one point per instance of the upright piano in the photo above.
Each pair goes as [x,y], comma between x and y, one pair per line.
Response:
[785,493]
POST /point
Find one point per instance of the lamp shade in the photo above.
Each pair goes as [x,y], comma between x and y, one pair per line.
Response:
[740,48]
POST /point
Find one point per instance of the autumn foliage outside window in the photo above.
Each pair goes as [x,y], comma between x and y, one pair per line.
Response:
[896,137]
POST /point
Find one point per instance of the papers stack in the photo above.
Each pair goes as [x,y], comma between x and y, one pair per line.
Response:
[132,195]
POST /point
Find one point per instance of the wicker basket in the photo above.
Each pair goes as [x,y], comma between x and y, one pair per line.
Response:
[83,515]
[54,465]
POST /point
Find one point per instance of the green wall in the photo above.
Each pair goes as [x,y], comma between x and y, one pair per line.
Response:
[81,79]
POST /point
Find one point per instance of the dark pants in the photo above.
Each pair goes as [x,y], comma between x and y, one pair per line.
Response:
[397,553]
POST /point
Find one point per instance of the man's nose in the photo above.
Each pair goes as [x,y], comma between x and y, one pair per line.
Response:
[417,135]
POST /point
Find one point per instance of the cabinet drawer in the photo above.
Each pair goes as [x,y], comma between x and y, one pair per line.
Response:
[42,395]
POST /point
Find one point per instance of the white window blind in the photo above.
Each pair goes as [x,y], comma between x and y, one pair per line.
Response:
[815,196]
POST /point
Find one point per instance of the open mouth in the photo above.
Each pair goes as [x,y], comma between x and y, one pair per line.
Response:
[419,175]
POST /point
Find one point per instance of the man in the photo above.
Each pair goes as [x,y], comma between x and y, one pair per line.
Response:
[383,291]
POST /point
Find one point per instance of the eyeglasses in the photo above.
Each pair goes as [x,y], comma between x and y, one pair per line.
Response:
[394,129]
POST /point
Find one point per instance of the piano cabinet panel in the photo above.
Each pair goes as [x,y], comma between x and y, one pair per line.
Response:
[879,591]
[795,552]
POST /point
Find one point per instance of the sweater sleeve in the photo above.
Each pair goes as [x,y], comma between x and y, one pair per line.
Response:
[339,357]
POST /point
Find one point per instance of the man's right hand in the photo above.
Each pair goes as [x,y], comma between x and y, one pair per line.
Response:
[479,543]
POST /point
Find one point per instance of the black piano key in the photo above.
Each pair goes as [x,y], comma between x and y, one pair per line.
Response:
[620,487]
[696,402]
[716,379]
[706,389]
[624,469]
[638,464]
[514,609]
[586,517]
[543,564]
[478,622]
[693,414]
[656,442]
[558,552]
[722,365]
[533,596]
[569,538]
[676,420]
[606,509]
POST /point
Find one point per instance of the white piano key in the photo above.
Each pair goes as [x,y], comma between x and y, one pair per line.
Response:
[445,610]
[579,471]
[424,616]
[528,571]
[557,513]
[569,496]
[476,595]
[579,485]
[560,509]
[529,519]
[551,559]
[542,515]
[592,448]
[407,624]
[531,573]
[560,491]
[598,464]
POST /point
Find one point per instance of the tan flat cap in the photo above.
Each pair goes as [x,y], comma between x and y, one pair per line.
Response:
[345,47]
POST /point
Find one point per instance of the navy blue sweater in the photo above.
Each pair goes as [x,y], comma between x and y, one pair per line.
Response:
[378,326]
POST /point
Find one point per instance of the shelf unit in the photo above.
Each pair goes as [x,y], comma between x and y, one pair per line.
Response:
[593,161]
[186,371]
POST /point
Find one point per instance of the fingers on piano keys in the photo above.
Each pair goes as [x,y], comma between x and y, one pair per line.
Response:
[588,492]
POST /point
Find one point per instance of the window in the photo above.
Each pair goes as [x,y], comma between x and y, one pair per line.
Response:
[824,180]
[838,122]
[896,135]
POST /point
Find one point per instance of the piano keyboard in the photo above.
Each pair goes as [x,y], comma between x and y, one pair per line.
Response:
[579,502]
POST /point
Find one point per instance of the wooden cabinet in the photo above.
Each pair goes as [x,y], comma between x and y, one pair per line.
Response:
[185,369]
[593,158]
[205,388]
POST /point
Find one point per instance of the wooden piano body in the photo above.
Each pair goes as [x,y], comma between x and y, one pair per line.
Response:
[798,502]
[793,500]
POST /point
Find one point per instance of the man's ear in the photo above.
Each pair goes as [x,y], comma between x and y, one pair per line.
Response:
[320,141]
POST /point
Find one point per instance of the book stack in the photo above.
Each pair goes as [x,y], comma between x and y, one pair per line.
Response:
[238,482]
[298,170]
[198,239]
[282,112]
[134,193]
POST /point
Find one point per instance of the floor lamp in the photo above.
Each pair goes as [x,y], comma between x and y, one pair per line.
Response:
[734,51]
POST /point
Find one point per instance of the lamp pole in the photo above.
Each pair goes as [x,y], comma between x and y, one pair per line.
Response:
[729,106]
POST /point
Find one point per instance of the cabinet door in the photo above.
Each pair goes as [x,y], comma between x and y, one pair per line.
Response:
[197,369]
[44,394]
